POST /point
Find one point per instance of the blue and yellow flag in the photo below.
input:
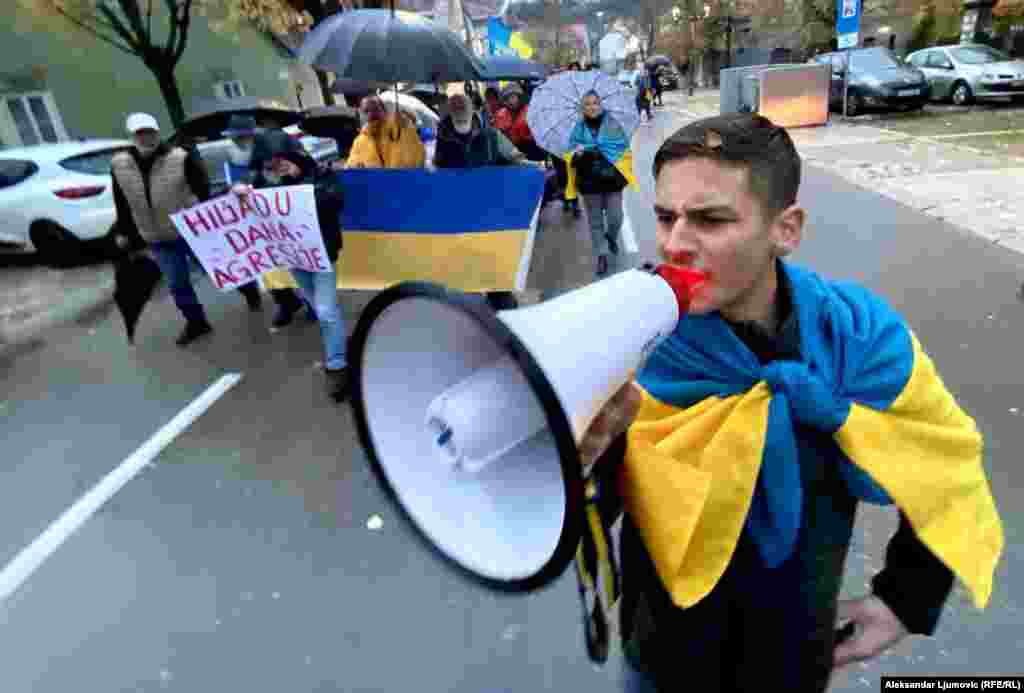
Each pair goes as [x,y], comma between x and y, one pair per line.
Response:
[468,229]
[714,447]
[613,144]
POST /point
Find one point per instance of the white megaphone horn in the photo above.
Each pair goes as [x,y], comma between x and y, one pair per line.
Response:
[471,419]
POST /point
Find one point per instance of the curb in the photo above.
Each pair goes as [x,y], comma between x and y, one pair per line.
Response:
[87,301]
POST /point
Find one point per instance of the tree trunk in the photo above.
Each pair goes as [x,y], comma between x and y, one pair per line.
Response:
[169,90]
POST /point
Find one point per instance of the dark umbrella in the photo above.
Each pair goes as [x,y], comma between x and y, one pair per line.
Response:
[339,123]
[509,68]
[209,117]
[389,46]
[135,278]
[356,87]
[658,61]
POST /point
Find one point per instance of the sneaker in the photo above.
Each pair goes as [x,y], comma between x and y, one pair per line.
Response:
[192,332]
[337,383]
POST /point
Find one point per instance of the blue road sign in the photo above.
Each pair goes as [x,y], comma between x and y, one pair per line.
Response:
[848,23]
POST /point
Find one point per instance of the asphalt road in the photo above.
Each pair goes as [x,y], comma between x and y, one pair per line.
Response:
[241,559]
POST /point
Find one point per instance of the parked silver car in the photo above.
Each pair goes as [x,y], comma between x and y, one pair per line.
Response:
[968,71]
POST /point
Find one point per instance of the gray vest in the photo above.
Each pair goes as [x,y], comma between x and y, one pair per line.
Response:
[168,189]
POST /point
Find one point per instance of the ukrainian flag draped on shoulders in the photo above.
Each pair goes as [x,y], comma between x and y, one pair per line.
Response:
[611,141]
[714,447]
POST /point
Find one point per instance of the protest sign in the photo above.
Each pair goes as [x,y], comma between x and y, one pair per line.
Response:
[238,239]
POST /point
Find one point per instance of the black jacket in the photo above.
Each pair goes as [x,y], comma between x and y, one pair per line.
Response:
[330,200]
[478,148]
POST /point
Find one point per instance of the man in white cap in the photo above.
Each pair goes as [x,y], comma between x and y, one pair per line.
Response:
[151,182]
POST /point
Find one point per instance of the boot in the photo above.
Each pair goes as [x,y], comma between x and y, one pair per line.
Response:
[253,299]
[337,383]
[602,265]
[194,329]
[287,303]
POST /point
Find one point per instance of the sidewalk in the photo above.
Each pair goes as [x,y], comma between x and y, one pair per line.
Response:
[34,298]
[977,190]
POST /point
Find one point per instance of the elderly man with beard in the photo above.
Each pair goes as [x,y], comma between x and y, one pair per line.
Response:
[464,140]
[388,140]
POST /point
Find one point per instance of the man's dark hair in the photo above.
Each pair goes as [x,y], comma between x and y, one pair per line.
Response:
[741,139]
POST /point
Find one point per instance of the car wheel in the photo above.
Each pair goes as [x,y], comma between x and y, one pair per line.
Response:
[961,94]
[55,245]
[854,105]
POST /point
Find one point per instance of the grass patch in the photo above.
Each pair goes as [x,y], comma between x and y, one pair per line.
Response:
[950,121]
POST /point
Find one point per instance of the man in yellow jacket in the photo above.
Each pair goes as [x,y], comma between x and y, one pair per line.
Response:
[388,140]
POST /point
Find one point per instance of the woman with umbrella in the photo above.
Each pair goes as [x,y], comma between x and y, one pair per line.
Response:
[600,167]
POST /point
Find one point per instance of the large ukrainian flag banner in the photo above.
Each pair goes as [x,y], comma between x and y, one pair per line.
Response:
[468,229]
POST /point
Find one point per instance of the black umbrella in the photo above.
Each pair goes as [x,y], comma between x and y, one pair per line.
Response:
[658,61]
[209,117]
[339,123]
[356,87]
[389,46]
[135,278]
[509,68]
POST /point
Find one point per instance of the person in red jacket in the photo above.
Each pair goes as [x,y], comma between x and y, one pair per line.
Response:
[511,120]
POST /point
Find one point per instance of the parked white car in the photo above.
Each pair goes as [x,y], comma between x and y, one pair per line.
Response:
[53,195]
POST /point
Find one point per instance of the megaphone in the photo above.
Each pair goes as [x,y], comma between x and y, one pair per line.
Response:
[471,418]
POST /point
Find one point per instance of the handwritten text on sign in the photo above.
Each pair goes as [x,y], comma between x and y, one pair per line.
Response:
[237,239]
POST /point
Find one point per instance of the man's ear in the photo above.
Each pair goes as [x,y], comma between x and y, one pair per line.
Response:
[788,229]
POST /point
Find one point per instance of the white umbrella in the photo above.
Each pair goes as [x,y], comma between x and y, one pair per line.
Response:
[556,106]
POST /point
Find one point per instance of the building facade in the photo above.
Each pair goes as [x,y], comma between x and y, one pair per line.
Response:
[56,86]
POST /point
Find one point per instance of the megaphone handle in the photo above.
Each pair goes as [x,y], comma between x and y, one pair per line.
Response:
[599,568]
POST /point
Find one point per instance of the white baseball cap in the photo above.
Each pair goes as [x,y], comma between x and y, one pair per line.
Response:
[141,121]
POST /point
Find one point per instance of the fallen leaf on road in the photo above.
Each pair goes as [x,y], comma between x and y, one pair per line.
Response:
[375,522]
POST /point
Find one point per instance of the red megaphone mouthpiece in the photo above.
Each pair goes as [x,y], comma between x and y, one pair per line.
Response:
[684,282]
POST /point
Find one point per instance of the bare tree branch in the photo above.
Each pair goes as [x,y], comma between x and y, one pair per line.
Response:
[186,20]
[84,26]
[172,33]
[119,28]
[149,21]
[131,11]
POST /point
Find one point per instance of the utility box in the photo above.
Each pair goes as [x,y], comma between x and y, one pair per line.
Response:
[788,95]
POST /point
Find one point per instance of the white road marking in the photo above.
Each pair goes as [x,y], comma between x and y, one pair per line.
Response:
[32,556]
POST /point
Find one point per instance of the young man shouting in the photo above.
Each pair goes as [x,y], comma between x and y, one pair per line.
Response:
[781,400]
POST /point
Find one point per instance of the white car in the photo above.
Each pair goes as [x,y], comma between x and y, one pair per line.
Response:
[54,195]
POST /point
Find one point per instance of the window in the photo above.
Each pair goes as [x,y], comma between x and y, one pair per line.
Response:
[34,118]
[229,90]
[938,59]
[876,58]
[14,171]
[93,163]
[978,55]
[919,59]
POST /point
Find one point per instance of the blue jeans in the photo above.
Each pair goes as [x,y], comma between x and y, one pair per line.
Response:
[174,260]
[321,289]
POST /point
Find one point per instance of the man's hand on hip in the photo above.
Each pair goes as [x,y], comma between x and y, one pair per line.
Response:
[877,629]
